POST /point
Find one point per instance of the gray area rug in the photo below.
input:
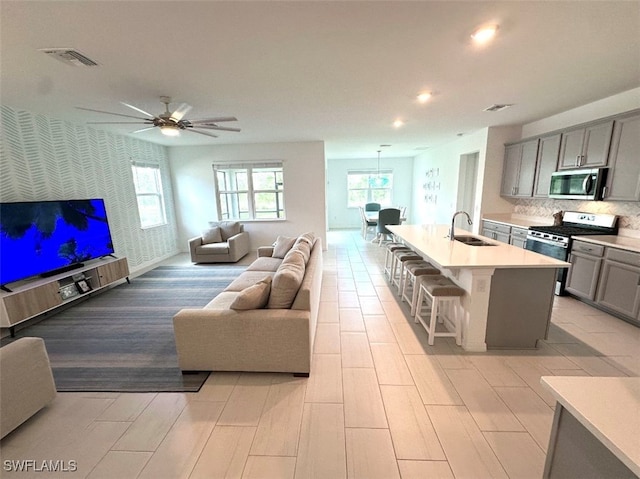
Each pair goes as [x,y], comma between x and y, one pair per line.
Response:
[121,340]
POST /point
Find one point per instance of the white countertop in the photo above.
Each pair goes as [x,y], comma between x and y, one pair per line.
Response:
[622,242]
[517,221]
[608,407]
[432,242]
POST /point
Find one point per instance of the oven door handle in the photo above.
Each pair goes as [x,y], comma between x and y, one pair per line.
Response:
[542,240]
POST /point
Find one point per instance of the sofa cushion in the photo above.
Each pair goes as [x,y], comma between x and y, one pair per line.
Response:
[265,263]
[253,297]
[246,279]
[304,247]
[227,228]
[213,248]
[212,235]
[309,237]
[282,246]
[287,281]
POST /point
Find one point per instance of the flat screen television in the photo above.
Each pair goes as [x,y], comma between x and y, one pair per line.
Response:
[47,237]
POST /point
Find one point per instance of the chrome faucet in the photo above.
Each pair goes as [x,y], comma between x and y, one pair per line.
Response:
[453,220]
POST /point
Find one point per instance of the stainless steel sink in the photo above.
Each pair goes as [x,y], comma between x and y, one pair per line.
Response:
[472,241]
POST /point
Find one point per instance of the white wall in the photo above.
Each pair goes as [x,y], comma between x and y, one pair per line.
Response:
[304,180]
[44,158]
[609,106]
[489,144]
[339,216]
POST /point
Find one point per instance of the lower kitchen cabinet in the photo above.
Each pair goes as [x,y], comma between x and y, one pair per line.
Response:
[607,278]
[582,280]
[518,237]
[620,283]
[496,231]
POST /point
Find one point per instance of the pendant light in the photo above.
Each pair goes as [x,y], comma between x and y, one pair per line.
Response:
[377,182]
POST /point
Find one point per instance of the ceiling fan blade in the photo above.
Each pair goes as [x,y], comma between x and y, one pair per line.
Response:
[180,112]
[137,109]
[117,123]
[215,127]
[116,114]
[143,129]
[203,133]
[215,120]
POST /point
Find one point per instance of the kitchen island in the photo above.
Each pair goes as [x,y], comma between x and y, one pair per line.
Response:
[509,290]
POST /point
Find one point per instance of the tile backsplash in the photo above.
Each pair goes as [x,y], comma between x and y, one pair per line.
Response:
[628,211]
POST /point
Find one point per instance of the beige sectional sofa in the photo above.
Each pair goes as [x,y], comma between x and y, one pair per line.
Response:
[277,336]
[26,382]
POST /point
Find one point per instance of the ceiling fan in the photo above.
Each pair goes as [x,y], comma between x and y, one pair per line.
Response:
[170,124]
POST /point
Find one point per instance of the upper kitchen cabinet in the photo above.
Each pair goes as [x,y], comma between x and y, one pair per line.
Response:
[547,163]
[585,147]
[623,180]
[519,169]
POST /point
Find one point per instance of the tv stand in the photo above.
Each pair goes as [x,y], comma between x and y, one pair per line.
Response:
[29,299]
[64,269]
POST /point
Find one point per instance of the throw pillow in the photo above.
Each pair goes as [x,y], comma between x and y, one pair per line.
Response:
[304,247]
[253,297]
[308,237]
[287,281]
[212,235]
[229,229]
[282,246]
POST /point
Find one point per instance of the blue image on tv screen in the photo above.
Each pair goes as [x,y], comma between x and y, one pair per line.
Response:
[41,237]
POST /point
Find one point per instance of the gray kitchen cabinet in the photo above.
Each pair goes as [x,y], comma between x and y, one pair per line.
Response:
[518,237]
[585,147]
[586,261]
[548,152]
[619,287]
[623,179]
[518,174]
[496,231]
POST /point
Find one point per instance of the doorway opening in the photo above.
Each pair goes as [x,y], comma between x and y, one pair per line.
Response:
[467,180]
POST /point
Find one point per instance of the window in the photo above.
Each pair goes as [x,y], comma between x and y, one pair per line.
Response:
[369,186]
[148,186]
[249,191]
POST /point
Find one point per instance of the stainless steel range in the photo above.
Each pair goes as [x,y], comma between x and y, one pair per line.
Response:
[555,241]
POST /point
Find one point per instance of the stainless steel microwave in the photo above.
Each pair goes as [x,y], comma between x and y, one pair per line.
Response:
[587,184]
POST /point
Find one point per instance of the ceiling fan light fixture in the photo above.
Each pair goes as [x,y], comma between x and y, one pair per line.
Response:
[170,130]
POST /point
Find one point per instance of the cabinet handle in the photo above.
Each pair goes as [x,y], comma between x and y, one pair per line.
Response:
[578,160]
[604,192]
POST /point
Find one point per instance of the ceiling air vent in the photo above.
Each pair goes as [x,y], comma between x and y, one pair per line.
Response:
[498,107]
[69,56]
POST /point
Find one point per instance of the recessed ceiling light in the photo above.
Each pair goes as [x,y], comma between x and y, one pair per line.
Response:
[423,97]
[398,123]
[484,34]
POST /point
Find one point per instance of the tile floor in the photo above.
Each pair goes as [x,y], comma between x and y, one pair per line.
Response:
[380,402]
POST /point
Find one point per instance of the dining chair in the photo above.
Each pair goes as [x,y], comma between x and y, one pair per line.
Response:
[366,223]
[372,207]
[386,216]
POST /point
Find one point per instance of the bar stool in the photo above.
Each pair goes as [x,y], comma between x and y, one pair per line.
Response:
[439,291]
[400,259]
[389,258]
[412,273]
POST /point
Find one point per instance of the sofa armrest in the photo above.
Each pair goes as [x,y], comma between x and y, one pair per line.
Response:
[26,382]
[239,244]
[265,251]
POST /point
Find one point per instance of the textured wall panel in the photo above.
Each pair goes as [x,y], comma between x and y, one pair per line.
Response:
[46,159]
